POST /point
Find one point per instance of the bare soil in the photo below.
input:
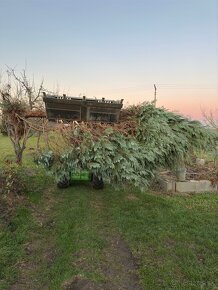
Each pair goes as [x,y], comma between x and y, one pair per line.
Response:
[117,265]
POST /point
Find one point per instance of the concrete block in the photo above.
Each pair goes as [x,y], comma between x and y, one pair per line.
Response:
[194,186]
[187,186]
[167,185]
[205,185]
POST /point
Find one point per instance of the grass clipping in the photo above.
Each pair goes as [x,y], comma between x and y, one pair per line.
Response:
[131,151]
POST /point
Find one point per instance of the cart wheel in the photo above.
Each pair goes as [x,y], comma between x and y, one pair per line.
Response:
[63,183]
[97,182]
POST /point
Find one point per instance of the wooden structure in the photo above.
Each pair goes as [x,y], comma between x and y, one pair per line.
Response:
[82,108]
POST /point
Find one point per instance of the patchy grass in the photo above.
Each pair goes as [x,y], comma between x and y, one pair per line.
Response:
[108,237]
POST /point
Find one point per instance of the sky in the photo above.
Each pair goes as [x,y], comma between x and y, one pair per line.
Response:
[117,49]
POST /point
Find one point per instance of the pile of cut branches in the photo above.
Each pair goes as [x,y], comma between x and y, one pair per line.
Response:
[131,151]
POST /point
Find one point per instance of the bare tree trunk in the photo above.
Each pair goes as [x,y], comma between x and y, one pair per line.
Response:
[19,157]
[19,142]
[38,140]
[18,152]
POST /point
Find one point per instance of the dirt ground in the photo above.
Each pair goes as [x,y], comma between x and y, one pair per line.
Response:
[118,266]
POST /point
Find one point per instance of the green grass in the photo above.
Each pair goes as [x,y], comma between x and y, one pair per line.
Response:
[12,237]
[76,229]
[7,152]
[175,239]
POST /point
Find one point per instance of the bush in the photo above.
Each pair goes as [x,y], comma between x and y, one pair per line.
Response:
[11,180]
[46,159]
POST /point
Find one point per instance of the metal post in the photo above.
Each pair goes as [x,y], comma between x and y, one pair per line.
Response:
[155,95]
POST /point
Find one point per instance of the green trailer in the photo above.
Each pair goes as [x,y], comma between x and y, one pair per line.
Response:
[96,181]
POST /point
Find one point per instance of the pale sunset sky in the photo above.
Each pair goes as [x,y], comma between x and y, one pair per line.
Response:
[117,49]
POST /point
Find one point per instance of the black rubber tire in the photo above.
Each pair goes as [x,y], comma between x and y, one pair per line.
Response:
[97,182]
[63,183]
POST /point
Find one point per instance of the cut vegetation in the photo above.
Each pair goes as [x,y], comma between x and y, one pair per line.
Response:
[129,152]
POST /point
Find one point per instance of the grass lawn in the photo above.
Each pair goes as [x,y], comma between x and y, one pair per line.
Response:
[106,239]
[7,152]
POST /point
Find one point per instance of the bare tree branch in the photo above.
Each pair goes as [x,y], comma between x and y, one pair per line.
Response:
[211,118]
[28,88]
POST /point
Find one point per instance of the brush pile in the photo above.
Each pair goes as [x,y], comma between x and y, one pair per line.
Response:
[130,152]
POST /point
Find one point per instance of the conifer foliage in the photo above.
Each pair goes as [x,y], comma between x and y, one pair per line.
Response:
[131,152]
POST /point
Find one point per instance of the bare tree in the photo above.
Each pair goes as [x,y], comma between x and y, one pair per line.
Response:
[28,87]
[211,118]
[18,96]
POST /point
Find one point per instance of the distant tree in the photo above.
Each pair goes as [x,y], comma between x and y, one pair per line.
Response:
[211,118]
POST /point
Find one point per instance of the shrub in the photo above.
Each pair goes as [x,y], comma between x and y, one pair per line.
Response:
[11,180]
